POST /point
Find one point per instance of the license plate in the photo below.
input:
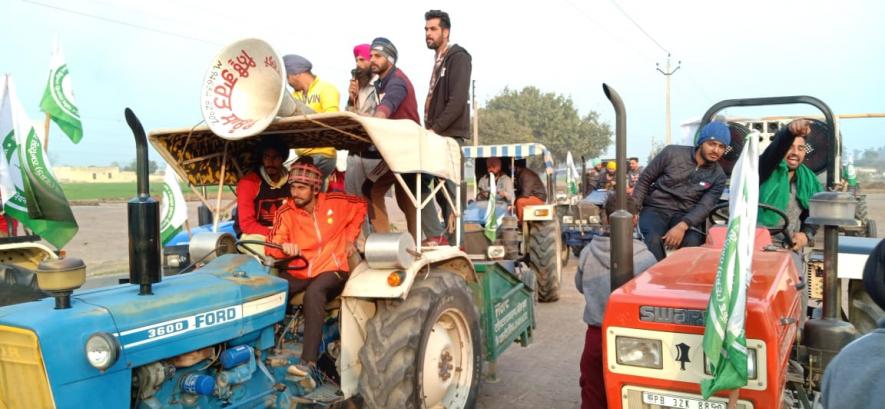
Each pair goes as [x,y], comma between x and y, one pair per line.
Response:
[679,402]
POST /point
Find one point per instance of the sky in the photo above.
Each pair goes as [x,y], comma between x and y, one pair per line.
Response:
[152,56]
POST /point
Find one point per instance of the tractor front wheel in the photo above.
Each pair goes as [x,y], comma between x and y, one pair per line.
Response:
[424,351]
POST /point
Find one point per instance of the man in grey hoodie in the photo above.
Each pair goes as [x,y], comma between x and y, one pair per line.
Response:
[593,279]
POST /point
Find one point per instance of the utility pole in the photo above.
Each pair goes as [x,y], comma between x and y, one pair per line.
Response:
[667,73]
[475,114]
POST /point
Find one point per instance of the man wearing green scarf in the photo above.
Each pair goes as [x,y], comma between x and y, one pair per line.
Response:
[787,184]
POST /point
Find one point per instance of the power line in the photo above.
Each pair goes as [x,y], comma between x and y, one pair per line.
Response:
[120,22]
[605,30]
[618,6]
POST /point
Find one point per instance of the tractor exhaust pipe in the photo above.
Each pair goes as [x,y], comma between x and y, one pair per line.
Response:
[621,220]
[144,219]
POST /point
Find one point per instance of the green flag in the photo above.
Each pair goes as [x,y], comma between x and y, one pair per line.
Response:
[491,229]
[572,174]
[725,339]
[173,208]
[58,99]
[30,193]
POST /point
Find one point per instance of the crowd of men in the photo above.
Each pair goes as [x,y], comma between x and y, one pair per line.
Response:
[297,208]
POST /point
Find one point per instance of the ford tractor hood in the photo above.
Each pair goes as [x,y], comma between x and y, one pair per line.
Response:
[230,297]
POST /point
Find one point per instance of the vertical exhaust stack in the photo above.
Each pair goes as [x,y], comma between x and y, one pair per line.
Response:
[621,220]
[144,219]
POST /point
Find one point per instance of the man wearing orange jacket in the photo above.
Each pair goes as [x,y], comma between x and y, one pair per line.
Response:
[321,227]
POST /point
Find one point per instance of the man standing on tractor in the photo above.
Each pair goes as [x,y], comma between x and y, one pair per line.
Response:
[593,279]
[445,109]
[786,183]
[362,100]
[397,102]
[678,189]
[261,192]
[529,188]
[322,228]
[318,95]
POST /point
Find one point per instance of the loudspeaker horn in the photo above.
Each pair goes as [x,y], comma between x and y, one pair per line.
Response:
[244,90]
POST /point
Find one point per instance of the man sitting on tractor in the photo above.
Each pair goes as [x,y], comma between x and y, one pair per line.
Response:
[261,192]
[529,189]
[787,184]
[503,183]
[322,228]
[593,279]
[678,189]
[606,180]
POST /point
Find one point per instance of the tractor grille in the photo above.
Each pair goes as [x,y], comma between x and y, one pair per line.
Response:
[23,380]
[814,273]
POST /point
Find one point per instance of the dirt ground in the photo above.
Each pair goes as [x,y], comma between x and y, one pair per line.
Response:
[545,374]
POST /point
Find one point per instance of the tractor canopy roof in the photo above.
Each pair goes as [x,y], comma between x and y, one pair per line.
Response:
[514,150]
[200,157]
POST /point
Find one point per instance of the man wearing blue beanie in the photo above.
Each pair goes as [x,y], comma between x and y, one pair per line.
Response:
[678,189]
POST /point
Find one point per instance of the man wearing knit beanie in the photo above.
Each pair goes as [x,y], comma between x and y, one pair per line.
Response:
[678,189]
[320,96]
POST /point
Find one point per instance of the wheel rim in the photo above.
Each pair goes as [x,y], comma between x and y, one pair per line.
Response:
[448,362]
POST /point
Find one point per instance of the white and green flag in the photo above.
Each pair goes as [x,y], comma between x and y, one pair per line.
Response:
[491,229]
[572,174]
[173,208]
[725,340]
[58,99]
[29,189]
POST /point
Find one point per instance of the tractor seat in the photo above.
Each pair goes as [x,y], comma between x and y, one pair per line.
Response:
[298,299]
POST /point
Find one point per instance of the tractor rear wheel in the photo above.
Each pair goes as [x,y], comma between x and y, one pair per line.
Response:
[424,351]
[543,258]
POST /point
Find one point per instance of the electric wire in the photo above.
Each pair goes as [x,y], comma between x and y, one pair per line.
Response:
[119,22]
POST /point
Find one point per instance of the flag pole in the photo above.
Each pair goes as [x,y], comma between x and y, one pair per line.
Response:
[733,398]
[46,134]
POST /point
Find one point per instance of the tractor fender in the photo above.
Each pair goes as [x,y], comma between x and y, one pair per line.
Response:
[365,282]
[543,212]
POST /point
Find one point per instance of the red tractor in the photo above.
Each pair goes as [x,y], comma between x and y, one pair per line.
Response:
[654,322]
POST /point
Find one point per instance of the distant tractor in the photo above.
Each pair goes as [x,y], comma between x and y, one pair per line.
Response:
[536,243]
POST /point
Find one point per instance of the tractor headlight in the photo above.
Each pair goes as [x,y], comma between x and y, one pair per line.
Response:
[641,352]
[567,219]
[102,350]
[593,220]
[751,364]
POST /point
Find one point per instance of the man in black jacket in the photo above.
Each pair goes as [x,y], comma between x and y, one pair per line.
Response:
[445,109]
[678,189]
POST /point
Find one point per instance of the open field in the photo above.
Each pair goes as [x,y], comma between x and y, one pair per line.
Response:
[86,192]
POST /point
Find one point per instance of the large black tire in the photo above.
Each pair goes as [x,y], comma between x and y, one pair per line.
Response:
[563,253]
[863,312]
[394,371]
[543,257]
[871,230]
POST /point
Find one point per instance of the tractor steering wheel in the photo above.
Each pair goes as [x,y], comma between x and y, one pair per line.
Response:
[282,264]
[717,214]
